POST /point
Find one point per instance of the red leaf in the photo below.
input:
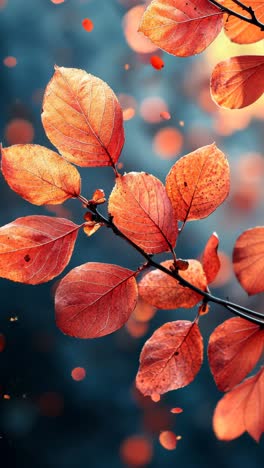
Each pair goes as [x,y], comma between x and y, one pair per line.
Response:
[198,183]
[95,299]
[142,211]
[168,440]
[234,349]
[39,175]
[165,292]
[210,260]
[35,249]
[240,31]
[241,410]
[248,260]
[237,82]
[181,28]
[83,118]
[171,358]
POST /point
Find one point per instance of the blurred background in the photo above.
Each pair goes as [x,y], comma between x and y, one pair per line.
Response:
[72,403]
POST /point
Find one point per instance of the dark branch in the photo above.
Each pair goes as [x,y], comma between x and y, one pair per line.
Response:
[252,19]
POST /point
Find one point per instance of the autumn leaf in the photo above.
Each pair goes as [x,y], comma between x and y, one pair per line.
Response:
[39,175]
[35,249]
[234,349]
[164,292]
[238,81]
[181,28]
[83,118]
[242,409]
[240,31]
[171,358]
[248,260]
[142,211]
[95,299]
[210,260]
[198,183]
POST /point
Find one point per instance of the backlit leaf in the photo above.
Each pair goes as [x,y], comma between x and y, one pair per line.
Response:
[165,292]
[238,81]
[35,249]
[240,31]
[83,118]
[181,28]
[142,211]
[234,349]
[210,260]
[198,183]
[95,299]
[242,409]
[248,260]
[171,358]
[39,175]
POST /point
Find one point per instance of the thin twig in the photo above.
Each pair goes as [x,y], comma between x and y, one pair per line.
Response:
[252,19]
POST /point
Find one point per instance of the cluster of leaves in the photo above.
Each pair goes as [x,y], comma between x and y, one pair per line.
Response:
[83,119]
[187,27]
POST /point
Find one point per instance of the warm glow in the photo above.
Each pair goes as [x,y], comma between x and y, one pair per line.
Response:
[136,451]
[168,142]
[136,40]
[19,131]
[78,373]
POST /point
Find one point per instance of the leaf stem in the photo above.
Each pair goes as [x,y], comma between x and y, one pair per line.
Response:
[252,19]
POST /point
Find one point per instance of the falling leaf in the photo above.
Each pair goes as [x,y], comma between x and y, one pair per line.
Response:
[87,24]
[240,410]
[234,349]
[95,299]
[142,211]
[83,118]
[165,292]
[39,175]
[171,358]
[168,440]
[198,183]
[240,31]
[238,81]
[35,249]
[248,260]
[210,260]
[181,28]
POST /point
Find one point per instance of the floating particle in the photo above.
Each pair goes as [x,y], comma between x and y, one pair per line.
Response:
[14,318]
[127,66]
[87,24]
[165,115]
[176,410]
[19,131]
[6,396]
[156,62]
[181,123]
[78,373]
[168,440]
[57,2]
[10,61]
[136,451]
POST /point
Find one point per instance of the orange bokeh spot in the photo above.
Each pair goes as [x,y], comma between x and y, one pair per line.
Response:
[2,342]
[136,329]
[168,440]
[136,451]
[225,272]
[57,1]
[51,404]
[136,40]
[176,410]
[156,62]
[78,373]
[87,24]
[6,396]
[128,104]
[19,131]
[10,61]
[155,397]
[151,109]
[168,142]
[143,311]
[165,115]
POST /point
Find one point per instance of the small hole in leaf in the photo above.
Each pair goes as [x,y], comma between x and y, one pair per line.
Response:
[27,258]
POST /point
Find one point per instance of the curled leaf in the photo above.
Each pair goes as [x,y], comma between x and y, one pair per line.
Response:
[35,249]
[83,118]
[95,299]
[210,260]
[171,358]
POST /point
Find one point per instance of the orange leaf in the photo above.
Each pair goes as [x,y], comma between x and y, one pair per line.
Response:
[168,440]
[238,81]
[171,358]
[198,183]
[142,211]
[240,31]
[210,260]
[35,249]
[95,299]
[165,292]
[241,410]
[248,260]
[181,28]
[83,118]
[234,349]
[39,175]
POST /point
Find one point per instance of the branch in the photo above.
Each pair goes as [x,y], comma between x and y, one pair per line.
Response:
[236,309]
[251,20]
